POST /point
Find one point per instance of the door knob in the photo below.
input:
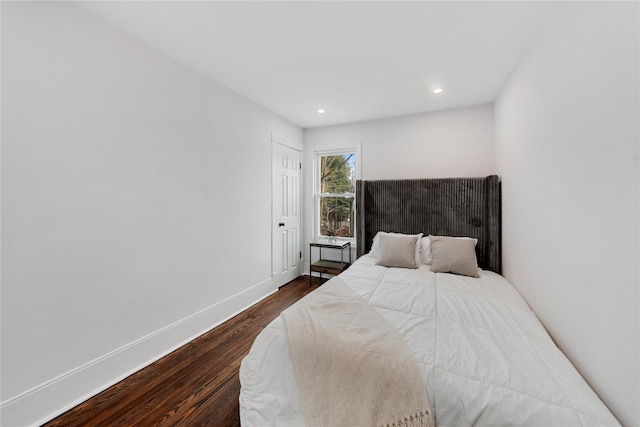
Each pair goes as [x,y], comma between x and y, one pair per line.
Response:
[281,224]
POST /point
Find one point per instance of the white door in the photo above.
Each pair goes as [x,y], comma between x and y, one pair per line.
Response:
[286,214]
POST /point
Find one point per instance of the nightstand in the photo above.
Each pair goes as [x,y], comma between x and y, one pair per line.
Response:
[325,265]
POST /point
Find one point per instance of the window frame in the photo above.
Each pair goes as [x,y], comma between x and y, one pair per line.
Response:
[336,150]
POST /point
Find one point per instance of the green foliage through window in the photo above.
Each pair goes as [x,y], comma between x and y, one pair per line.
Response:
[337,187]
[337,174]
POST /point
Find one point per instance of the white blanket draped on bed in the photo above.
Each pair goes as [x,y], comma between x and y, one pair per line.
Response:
[351,366]
[485,357]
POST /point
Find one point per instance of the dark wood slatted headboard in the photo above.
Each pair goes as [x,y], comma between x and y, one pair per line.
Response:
[442,207]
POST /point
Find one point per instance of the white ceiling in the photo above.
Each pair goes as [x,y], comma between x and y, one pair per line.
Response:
[357,60]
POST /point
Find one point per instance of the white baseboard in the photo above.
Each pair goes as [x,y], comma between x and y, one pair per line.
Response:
[54,397]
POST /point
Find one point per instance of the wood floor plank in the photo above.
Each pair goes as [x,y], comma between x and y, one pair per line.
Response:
[197,384]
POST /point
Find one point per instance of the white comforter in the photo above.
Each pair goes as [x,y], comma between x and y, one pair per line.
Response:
[485,357]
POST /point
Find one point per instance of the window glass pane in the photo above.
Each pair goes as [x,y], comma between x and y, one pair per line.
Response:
[336,216]
[337,173]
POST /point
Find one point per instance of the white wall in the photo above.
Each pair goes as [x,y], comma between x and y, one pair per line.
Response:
[449,143]
[567,150]
[131,188]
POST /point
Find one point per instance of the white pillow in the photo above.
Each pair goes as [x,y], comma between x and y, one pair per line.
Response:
[425,251]
[376,242]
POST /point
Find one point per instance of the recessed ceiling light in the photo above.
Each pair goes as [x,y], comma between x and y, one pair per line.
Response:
[321,111]
[437,90]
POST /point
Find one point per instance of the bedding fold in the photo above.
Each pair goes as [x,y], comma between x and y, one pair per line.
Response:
[351,366]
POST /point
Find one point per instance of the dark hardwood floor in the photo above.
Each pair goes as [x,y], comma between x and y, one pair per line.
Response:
[196,385]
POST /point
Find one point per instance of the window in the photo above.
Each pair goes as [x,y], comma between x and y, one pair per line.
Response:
[335,184]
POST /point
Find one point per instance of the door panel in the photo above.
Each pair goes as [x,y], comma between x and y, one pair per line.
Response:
[286,215]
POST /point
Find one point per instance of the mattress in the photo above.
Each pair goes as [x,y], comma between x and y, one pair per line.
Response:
[485,357]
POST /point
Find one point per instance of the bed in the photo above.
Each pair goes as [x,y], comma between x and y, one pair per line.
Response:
[483,356]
